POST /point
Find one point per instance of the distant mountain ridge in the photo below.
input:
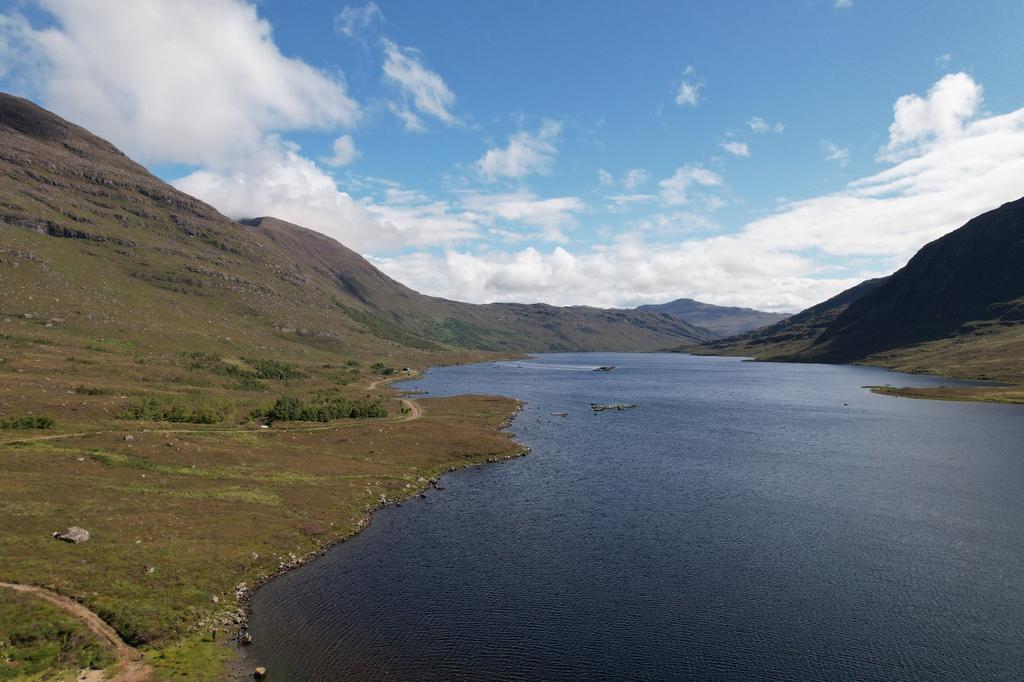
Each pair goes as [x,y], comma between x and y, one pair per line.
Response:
[129,254]
[491,326]
[722,320]
[956,308]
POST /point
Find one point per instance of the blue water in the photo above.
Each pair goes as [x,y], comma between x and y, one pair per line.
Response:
[746,521]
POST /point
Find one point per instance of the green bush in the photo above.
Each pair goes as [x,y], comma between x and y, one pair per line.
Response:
[323,409]
[261,369]
[191,409]
[272,369]
[249,382]
[27,422]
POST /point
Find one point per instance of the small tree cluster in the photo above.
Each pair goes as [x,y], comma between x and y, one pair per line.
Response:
[324,409]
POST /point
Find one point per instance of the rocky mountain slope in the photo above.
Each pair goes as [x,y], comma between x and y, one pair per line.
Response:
[956,308]
[94,246]
[722,320]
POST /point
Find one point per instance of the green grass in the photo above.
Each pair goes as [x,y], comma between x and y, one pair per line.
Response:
[39,641]
[385,329]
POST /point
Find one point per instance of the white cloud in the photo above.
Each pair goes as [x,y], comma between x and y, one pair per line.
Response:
[690,84]
[635,177]
[918,121]
[895,212]
[762,127]
[605,178]
[620,200]
[278,181]
[943,60]
[343,152]
[674,189]
[736,148]
[527,153]
[628,272]
[842,4]
[191,81]
[426,90]
[835,153]
[351,21]
[781,262]
[413,123]
[525,209]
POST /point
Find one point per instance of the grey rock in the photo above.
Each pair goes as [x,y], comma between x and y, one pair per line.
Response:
[74,535]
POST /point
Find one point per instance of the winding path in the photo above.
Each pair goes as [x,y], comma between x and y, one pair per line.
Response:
[129,667]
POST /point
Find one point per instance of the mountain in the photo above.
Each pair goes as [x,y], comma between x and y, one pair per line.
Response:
[794,335]
[113,252]
[956,308]
[722,320]
[957,286]
[494,326]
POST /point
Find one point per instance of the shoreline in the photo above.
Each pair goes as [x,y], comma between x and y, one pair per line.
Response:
[994,391]
[237,667]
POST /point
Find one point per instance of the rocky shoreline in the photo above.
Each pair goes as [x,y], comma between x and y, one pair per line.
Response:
[233,624]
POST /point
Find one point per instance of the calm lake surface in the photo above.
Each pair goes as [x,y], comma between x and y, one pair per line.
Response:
[746,521]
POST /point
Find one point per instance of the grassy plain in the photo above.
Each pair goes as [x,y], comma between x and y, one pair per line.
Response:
[182,514]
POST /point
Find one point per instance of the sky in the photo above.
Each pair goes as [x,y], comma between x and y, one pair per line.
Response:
[762,154]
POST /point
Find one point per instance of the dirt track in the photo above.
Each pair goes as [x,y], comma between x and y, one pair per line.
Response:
[129,667]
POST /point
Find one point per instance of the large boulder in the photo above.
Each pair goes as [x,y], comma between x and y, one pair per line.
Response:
[74,535]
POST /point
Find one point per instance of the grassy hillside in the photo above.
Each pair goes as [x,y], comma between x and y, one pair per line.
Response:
[723,321]
[496,326]
[97,247]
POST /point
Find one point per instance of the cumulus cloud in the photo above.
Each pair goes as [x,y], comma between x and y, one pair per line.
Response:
[605,178]
[690,84]
[192,81]
[526,153]
[736,148]
[628,272]
[842,4]
[762,127]
[352,21]
[785,261]
[278,181]
[835,153]
[343,152]
[421,89]
[940,115]
[674,190]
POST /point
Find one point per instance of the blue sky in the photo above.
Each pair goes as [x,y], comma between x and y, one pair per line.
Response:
[761,154]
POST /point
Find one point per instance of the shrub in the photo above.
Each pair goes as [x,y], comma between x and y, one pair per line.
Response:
[323,409]
[272,369]
[191,409]
[248,382]
[27,422]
